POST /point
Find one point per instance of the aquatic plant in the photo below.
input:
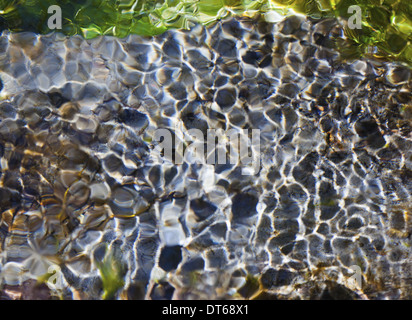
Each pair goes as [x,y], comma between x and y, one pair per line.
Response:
[111,274]
[385,33]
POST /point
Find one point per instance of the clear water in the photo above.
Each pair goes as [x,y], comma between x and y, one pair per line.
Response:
[89,206]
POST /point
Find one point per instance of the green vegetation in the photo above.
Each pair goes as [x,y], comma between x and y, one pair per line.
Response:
[386,24]
[112,275]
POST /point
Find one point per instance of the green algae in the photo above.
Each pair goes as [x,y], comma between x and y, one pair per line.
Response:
[251,287]
[111,273]
[386,30]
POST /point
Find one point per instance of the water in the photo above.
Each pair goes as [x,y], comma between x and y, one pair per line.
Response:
[84,190]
